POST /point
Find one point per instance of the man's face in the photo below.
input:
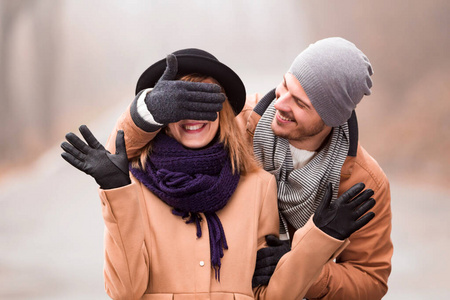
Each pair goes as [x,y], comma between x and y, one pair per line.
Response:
[296,119]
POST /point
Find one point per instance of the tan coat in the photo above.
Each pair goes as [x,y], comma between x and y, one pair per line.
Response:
[152,254]
[363,268]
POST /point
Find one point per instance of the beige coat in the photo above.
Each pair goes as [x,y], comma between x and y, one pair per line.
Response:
[152,254]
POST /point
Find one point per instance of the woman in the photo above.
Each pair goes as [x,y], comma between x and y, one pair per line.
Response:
[188,221]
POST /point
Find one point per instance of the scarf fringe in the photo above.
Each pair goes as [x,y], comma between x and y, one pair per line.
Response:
[217,238]
[218,242]
[191,218]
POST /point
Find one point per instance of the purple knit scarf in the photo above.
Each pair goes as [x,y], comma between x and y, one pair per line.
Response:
[192,182]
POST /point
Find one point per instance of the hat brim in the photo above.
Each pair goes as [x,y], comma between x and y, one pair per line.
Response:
[188,64]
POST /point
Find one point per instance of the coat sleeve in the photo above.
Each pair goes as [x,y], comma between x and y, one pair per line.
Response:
[247,119]
[299,268]
[268,221]
[126,265]
[361,271]
[135,137]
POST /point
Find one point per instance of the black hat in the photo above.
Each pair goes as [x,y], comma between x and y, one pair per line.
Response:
[193,60]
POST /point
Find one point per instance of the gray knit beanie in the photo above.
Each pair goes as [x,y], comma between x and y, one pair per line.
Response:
[335,75]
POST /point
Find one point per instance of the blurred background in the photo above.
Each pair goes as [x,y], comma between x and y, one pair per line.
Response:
[71,62]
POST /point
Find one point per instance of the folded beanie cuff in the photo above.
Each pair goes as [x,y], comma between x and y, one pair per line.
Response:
[320,99]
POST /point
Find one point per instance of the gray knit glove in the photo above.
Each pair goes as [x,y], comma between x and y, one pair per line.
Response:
[174,100]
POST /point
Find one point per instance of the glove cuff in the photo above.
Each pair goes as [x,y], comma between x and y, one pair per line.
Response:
[334,233]
[114,184]
[141,115]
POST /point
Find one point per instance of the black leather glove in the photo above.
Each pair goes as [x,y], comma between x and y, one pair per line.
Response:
[174,100]
[345,215]
[267,259]
[109,170]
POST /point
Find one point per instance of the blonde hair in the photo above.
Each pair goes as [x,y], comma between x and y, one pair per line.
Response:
[241,157]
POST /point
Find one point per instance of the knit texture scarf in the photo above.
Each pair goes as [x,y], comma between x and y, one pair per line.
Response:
[192,182]
[301,190]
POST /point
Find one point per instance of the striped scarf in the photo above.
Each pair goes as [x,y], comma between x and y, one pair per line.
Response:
[301,190]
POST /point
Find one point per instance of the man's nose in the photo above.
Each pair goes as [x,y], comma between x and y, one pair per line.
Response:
[283,102]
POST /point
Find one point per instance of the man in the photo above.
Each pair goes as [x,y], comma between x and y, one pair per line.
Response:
[308,136]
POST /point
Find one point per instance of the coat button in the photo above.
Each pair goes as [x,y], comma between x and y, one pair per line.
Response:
[202,263]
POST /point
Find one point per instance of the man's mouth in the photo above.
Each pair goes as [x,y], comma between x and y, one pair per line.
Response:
[283,118]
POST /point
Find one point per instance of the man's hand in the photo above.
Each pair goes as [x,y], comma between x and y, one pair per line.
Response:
[345,215]
[109,170]
[174,100]
[267,259]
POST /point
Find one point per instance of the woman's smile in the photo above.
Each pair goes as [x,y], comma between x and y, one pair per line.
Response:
[194,134]
[193,127]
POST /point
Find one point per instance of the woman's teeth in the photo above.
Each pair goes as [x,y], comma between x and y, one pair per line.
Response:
[193,127]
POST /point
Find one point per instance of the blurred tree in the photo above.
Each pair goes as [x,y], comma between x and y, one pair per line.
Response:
[41,18]
[9,10]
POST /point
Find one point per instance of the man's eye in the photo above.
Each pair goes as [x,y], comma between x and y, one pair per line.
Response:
[299,103]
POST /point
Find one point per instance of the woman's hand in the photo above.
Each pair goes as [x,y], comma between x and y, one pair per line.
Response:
[109,170]
[345,215]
